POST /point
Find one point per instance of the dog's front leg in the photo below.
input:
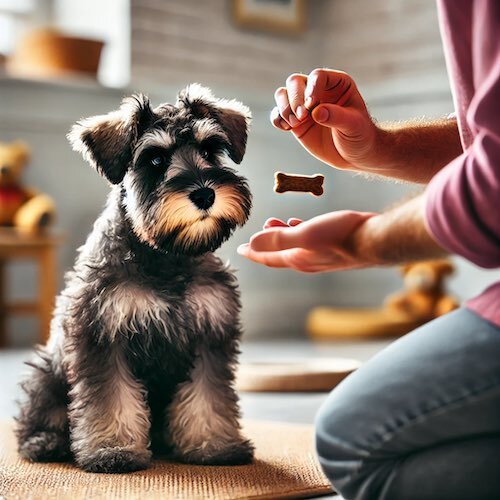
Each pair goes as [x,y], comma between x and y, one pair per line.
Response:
[204,415]
[109,417]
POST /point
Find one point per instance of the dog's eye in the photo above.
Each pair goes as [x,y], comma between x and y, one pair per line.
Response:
[210,148]
[157,161]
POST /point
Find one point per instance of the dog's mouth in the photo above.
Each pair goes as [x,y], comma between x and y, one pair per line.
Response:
[205,235]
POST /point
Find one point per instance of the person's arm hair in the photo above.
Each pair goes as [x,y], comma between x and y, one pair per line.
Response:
[396,236]
[415,150]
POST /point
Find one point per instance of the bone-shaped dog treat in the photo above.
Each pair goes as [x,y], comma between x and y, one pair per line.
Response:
[303,183]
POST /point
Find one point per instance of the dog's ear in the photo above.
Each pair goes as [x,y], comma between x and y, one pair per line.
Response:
[107,141]
[233,116]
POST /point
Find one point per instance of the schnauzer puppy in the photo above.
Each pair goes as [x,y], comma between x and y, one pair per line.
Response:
[145,335]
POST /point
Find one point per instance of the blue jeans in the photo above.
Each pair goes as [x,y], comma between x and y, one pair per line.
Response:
[421,420]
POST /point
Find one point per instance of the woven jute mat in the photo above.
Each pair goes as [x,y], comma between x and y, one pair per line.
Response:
[285,467]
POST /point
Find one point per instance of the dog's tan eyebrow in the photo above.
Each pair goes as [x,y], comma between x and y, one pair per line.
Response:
[157,138]
[206,129]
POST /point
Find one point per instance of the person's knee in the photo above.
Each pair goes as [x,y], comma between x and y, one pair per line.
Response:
[339,442]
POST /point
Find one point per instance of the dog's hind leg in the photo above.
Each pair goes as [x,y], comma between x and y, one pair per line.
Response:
[108,412]
[42,426]
[204,415]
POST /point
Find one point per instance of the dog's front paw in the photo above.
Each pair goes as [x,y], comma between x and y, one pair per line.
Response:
[114,460]
[45,446]
[239,453]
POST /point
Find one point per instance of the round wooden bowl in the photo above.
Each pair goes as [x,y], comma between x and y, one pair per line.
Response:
[314,375]
[48,53]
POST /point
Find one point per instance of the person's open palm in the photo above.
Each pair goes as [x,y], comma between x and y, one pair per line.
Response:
[320,244]
[326,113]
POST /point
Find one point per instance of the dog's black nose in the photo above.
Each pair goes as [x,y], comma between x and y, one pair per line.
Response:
[203,198]
[4,169]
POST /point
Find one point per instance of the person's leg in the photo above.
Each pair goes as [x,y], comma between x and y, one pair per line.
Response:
[421,420]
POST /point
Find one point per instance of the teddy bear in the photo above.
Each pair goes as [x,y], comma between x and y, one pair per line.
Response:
[423,297]
[21,207]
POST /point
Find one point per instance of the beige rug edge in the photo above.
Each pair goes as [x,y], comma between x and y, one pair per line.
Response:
[285,467]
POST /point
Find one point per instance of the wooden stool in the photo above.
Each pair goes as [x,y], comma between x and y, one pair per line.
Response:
[40,247]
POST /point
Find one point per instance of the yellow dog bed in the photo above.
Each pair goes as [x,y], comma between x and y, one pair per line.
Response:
[324,323]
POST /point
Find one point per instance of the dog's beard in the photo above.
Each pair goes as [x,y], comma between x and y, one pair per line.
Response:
[177,226]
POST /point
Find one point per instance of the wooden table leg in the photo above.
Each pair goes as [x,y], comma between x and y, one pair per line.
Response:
[3,309]
[47,290]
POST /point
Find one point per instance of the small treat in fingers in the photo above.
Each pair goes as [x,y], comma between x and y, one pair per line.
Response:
[298,183]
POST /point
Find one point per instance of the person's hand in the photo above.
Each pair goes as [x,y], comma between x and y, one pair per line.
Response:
[324,243]
[328,116]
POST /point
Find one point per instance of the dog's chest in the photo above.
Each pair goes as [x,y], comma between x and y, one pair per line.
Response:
[127,308]
[133,309]
[211,305]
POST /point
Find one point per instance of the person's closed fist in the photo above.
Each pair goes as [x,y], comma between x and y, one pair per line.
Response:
[326,113]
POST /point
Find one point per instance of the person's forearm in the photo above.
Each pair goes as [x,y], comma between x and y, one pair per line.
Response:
[415,151]
[396,236]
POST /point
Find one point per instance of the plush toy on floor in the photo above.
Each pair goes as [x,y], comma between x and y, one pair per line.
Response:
[422,299]
[21,207]
[144,340]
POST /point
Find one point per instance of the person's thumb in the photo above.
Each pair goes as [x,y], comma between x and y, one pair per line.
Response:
[331,115]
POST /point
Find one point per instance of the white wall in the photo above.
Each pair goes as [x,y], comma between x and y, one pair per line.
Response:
[177,41]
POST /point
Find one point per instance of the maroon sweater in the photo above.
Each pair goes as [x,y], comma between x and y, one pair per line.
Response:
[463,199]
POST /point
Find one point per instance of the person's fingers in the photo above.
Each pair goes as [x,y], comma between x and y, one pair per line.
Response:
[271,259]
[275,239]
[344,119]
[293,221]
[295,87]
[273,222]
[327,83]
[294,258]
[284,108]
[277,121]
[298,259]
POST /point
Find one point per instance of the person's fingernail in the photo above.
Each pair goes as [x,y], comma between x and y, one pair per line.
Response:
[285,125]
[322,115]
[302,113]
[308,102]
[243,249]
[293,121]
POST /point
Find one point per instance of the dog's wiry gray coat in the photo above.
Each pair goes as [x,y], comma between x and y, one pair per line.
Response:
[145,335]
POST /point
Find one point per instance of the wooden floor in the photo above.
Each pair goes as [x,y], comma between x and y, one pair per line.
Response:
[290,407]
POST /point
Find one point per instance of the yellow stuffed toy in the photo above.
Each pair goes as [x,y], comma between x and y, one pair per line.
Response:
[21,207]
[424,297]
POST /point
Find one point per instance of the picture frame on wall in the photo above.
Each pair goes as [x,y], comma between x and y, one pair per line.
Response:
[277,16]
